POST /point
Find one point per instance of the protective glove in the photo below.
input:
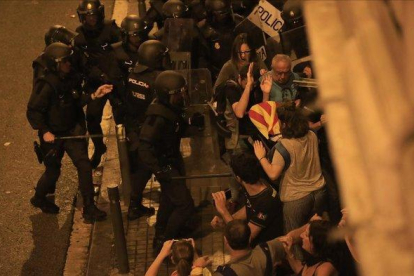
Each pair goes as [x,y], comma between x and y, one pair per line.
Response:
[164,175]
[197,120]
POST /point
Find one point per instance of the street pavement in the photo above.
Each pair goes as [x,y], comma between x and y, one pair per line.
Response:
[31,243]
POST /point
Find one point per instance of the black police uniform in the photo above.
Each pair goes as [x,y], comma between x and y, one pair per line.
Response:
[125,58]
[159,149]
[56,106]
[95,46]
[139,95]
[219,37]
[154,14]
[56,33]
[39,65]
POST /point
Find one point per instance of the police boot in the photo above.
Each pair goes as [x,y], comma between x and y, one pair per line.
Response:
[45,205]
[137,210]
[96,157]
[90,212]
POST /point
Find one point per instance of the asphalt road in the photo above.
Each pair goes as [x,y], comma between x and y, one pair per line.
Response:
[31,243]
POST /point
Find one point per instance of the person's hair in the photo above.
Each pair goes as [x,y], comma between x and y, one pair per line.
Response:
[241,39]
[293,122]
[255,70]
[237,233]
[246,166]
[182,256]
[281,57]
[298,68]
[318,236]
[306,96]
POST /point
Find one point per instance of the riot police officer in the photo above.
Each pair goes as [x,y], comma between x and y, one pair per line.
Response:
[159,149]
[96,34]
[174,9]
[293,35]
[154,14]
[171,9]
[56,33]
[134,32]
[219,33]
[55,109]
[152,56]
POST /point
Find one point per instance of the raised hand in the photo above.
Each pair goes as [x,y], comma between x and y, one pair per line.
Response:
[259,150]
[266,83]
[103,90]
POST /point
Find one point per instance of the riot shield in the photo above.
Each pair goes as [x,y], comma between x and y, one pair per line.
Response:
[201,150]
[295,40]
[178,34]
[293,43]
[199,85]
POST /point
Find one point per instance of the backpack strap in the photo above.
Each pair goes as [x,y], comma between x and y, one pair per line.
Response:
[283,151]
[226,270]
[269,264]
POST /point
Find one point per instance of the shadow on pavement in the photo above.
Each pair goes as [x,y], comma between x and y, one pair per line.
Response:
[47,257]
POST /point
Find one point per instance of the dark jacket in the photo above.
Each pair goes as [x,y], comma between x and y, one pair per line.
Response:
[56,103]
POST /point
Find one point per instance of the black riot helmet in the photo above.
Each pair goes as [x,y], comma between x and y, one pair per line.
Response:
[198,10]
[292,13]
[132,25]
[218,11]
[168,84]
[56,53]
[59,33]
[174,9]
[90,7]
[218,6]
[152,54]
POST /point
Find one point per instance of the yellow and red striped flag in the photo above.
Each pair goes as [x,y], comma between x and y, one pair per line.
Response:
[264,117]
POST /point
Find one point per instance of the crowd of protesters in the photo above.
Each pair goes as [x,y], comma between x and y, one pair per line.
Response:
[284,195]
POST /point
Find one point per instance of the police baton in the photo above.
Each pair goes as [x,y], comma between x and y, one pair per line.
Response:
[83,136]
[216,175]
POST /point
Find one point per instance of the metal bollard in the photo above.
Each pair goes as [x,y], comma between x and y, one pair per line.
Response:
[142,8]
[123,163]
[118,228]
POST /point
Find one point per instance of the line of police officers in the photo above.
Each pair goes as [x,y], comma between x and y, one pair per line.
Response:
[101,62]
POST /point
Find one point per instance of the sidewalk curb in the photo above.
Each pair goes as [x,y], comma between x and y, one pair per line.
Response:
[84,236]
[102,251]
[81,239]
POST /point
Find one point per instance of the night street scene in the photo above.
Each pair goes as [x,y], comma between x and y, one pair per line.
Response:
[206,137]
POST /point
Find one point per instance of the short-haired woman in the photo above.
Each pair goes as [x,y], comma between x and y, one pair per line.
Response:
[302,185]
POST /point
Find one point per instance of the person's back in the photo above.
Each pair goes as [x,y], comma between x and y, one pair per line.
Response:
[265,211]
[304,175]
[245,261]
[139,95]
[255,262]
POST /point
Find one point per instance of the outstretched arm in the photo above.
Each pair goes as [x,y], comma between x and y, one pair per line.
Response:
[273,171]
